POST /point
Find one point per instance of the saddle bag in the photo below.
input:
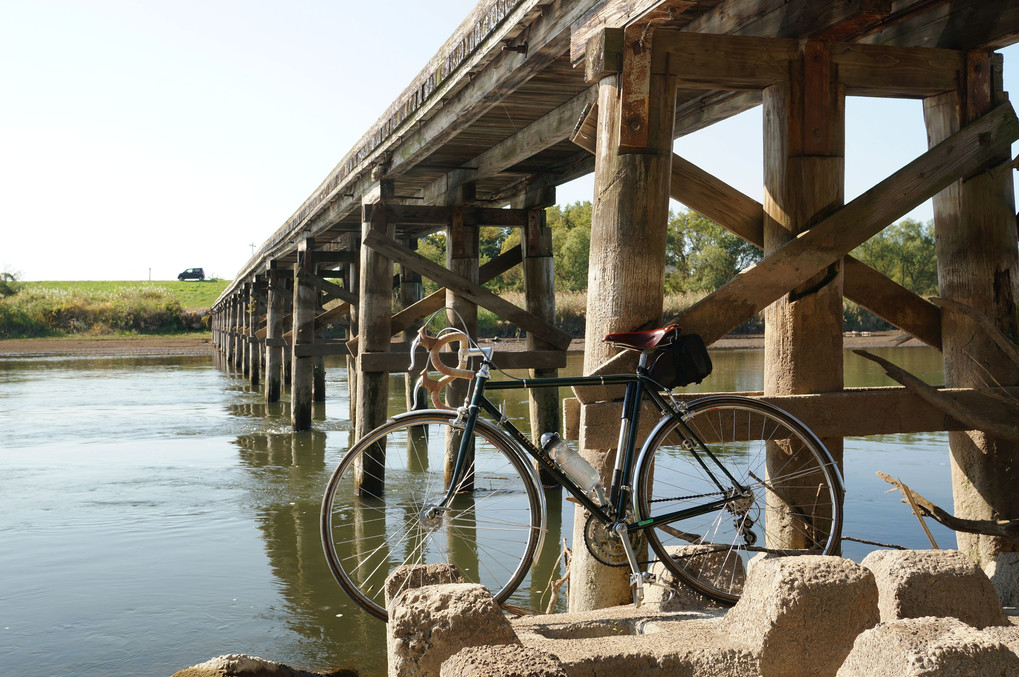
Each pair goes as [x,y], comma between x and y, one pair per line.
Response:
[682,362]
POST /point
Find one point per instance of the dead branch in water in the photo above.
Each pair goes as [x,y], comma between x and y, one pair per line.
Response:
[1003,528]
[975,420]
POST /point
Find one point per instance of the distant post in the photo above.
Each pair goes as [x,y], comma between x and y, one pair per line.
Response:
[302,372]
[277,292]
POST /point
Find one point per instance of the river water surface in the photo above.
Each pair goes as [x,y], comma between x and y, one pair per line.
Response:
[155,513]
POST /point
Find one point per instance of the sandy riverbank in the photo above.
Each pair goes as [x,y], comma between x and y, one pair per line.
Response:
[201,343]
[108,345]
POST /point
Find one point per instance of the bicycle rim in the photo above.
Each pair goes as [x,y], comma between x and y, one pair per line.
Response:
[376,514]
[792,505]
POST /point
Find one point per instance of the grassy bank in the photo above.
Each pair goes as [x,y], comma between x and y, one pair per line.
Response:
[102,308]
[125,308]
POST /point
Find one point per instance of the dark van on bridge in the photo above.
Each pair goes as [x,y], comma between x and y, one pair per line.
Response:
[192,274]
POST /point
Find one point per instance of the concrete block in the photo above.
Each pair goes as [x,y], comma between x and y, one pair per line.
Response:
[801,614]
[1004,574]
[506,660]
[418,575]
[697,558]
[928,647]
[940,583]
[427,625]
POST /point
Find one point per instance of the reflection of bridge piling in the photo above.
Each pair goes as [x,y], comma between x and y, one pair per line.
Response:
[483,135]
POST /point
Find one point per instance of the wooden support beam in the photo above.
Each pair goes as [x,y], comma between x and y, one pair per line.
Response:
[474,292]
[529,141]
[744,216]
[334,257]
[740,62]
[333,291]
[437,215]
[976,24]
[322,349]
[854,412]
[411,315]
[961,155]
[396,362]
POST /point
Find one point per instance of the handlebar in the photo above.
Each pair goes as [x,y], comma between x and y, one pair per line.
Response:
[434,345]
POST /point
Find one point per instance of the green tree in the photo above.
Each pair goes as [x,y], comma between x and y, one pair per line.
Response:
[701,255]
[8,284]
[571,244]
[905,252]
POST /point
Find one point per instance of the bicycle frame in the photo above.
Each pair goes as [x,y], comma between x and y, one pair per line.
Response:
[620,489]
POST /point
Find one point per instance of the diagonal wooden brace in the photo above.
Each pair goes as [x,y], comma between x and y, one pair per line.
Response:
[395,251]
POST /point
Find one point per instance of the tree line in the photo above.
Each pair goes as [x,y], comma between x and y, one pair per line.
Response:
[701,255]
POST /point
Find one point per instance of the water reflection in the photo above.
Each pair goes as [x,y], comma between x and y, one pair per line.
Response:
[287,472]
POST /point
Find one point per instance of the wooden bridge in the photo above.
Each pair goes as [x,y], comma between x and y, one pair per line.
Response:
[529,94]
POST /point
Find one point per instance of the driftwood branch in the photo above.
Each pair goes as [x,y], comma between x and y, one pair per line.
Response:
[1004,528]
[1003,427]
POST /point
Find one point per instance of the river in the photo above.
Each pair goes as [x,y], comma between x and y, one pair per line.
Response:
[155,513]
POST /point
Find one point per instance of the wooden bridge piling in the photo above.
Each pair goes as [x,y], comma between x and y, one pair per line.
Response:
[276,308]
[626,279]
[374,314]
[978,264]
[302,370]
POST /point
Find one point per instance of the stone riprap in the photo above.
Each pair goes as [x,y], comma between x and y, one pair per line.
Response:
[816,616]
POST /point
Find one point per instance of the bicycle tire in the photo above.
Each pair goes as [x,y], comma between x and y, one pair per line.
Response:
[795,507]
[371,528]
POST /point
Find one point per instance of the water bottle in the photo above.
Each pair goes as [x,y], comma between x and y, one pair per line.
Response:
[570,462]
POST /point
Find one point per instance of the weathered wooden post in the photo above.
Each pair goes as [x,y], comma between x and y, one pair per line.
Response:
[539,299]
[277,292]
[318,388]
[411,291]
[255,312]
[804,166]
[231,357]
[305,302]
[462,254]
[626,278]
[352,282]
[244,333]
[975,227]
[375,310]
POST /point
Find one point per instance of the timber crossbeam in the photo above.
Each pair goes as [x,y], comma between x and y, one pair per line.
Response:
[854,412]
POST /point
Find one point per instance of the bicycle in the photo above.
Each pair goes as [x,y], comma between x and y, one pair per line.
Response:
[442,485]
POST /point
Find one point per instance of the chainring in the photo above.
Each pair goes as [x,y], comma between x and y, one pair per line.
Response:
[605,546]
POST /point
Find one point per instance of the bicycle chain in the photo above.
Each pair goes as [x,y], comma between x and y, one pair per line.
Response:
[686,498]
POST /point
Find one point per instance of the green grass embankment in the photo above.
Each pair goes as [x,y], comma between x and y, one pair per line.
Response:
[99,308]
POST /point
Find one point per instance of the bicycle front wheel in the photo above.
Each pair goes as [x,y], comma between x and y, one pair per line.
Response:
[382,509]
[790,502]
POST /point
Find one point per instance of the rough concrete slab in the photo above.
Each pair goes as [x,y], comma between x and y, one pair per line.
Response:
[928,647]
[627,641]
[801,614]
[418,575]
[940,583]
[507,660]
[427,625]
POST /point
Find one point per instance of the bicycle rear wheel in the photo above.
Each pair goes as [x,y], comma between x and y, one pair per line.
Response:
[380,509]
[793,503]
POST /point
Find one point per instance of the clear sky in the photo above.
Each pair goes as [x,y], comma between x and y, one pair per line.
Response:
[142,137]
